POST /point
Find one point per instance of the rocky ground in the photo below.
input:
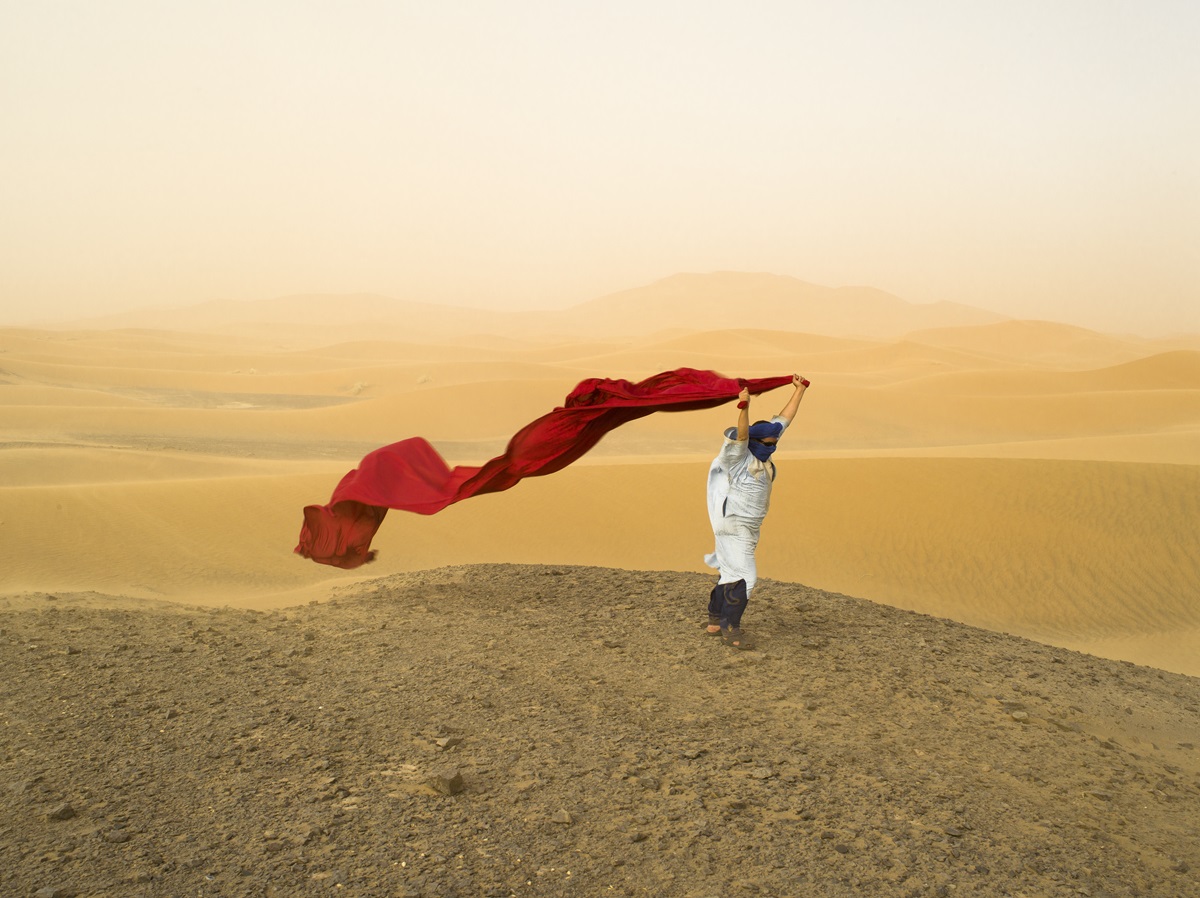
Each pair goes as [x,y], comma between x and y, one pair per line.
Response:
[517,730]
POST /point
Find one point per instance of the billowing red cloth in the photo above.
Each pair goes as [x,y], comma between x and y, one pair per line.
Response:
[412,476]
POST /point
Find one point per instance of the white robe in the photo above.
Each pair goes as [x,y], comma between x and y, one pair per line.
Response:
[739,496]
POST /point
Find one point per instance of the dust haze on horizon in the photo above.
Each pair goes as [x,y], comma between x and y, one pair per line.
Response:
[1037,160]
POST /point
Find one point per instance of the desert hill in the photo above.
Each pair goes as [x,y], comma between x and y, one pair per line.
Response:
[284,318]
[1047,343]
[571,731]
[680,303]
[765,301]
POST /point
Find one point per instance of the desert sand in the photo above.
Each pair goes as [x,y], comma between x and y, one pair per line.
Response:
[1029,477]
[537,730]
[517,696]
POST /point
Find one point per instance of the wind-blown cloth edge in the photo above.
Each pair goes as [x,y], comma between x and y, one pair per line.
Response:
[411,476]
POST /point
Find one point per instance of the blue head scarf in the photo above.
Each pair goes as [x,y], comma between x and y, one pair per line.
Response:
[759,431]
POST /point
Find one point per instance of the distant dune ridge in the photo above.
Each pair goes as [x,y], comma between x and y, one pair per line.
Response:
[1030,477]
[675,303]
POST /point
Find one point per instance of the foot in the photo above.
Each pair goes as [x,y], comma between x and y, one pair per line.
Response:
[714,626]
[736,638]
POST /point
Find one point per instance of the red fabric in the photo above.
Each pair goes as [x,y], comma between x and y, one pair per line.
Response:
[412,476]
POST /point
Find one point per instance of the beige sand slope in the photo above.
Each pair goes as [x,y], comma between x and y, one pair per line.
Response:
[1017,475]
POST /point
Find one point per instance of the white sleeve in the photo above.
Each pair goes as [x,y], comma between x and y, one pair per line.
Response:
[733,450]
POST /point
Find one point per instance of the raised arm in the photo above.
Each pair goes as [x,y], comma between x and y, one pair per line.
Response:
[743,424]
[789,411]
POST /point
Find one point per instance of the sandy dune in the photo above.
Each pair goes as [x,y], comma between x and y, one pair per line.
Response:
[1022,476]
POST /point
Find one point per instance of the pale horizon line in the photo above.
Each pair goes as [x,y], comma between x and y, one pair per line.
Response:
[83,320]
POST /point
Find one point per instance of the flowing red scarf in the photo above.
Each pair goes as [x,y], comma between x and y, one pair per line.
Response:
[412,476]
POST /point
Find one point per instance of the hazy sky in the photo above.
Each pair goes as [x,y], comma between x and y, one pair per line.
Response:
[1041,159]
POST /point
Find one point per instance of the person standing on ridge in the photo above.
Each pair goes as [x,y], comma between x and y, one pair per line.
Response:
[739,496]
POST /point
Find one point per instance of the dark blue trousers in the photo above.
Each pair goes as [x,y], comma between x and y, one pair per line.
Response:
[727,602]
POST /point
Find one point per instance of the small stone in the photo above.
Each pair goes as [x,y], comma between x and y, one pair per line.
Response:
[841,848]
[1099,794]
[953,832]
[1181,867]
[762,773]
[55,892]
[637,836]
[562,817]
[62,811]
[172,714]
[1020,715]
[448,782]
[71,650]
[448,742]
[116,836]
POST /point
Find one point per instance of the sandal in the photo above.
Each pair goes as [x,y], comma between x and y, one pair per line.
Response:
[735,638]
[714,626]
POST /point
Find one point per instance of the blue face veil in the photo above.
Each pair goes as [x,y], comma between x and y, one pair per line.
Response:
[760,431]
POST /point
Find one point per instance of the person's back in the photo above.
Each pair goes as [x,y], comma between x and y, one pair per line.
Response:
[739,496]
[748,478]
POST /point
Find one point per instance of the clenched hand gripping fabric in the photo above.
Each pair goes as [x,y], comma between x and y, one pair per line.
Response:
[412,476]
